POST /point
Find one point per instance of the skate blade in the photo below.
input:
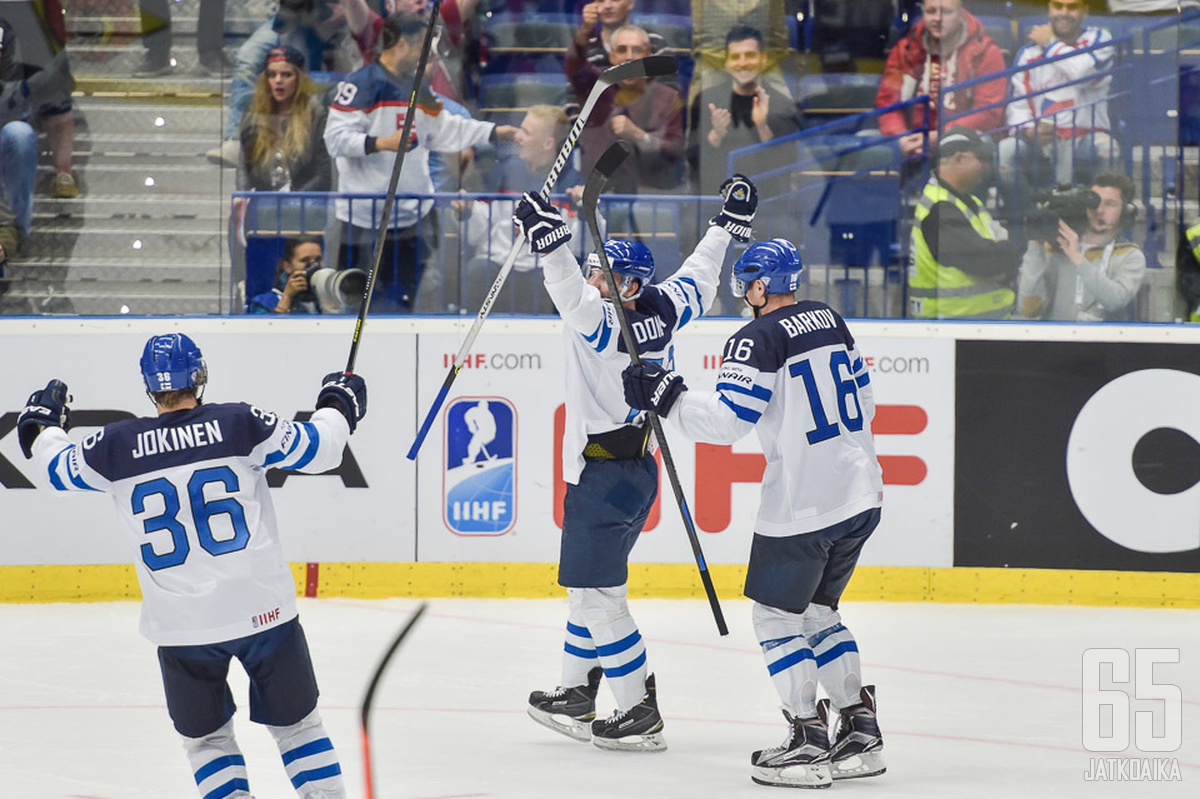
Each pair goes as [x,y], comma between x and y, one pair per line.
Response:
[867,764]
[651,742]
[798,776]
[578,729]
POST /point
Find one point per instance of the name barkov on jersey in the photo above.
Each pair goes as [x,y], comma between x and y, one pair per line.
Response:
[806,321]
[171,439]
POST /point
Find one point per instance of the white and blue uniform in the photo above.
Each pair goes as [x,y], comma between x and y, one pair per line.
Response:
[796,376]
[373,102]
[610,496]
[190,488]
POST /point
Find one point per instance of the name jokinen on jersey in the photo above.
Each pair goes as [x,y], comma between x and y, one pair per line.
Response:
[180,480]
[796,376]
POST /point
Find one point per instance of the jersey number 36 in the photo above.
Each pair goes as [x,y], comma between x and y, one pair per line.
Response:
[201,510]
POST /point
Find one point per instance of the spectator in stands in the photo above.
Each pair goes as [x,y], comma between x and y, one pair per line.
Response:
[1086,276]
[601,19]
[281,138]
[337,35]
[19,98]
[486,230]
[645,113]
[948,46]
[291,294]
[156,38]
[366,120]
[737,112]
[1059,113]
[713,18]
[962,264]
[1187,270]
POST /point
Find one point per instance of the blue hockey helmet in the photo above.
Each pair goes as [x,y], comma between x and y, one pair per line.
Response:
[776,263]
[630,259]
[172,361]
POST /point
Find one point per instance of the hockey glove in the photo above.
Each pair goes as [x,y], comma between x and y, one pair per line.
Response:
[540,223]
[741,201]
[45,408]
[649,387]
[346,393]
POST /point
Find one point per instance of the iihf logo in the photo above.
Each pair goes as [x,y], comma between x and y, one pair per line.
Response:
[480,464]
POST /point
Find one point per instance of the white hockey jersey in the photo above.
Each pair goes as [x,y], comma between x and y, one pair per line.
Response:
[1072,92]
[797,377]
[374,102]
[190,488]
[596,353]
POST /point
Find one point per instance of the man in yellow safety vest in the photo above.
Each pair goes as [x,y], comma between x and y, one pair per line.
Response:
[962,264]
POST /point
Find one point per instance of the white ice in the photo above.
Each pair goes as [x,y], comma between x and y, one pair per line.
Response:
[974,701]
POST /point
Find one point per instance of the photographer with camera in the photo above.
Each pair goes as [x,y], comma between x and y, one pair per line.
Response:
[1077,266]
[304,285]
[962,263]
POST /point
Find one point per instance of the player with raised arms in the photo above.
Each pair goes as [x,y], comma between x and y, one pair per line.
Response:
[608,459]
[795,374]
[190,486]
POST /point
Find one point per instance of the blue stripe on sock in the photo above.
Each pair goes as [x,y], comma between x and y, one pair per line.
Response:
[586,654]
[771,643]
[628,668]
[605,650]
[316,774]
[836,652]
[228,788]
[310,748]
[815,640]
[575,629]
[220,763]
[787,661]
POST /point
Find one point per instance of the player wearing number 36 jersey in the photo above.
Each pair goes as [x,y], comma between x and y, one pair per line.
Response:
[190,487]
[795,374]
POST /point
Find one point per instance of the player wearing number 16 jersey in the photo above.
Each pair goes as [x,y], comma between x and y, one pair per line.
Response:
[795,374]
[190,486]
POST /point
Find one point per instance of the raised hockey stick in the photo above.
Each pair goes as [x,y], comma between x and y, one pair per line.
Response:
[613,157]
[370,696]
[650,67]
[389,201]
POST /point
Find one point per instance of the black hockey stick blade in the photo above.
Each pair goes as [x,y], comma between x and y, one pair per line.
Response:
[608,164]
[369,697]
[650,67]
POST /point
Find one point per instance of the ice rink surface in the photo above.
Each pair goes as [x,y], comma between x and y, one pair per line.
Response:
[974,701]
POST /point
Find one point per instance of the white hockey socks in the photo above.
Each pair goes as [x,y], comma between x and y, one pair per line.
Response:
[309,758]
[836,653]
[789,658]
[619,645]
[579,650]
[218,765]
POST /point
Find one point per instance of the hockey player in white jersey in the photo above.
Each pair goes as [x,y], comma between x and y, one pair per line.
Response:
[608,460]
[190,486]
[795,374]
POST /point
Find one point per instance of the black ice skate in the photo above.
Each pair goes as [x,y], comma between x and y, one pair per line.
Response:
[856,745]
[568,710]
[801,762]
[638,729]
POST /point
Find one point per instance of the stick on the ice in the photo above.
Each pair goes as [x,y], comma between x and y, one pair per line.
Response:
[369,697]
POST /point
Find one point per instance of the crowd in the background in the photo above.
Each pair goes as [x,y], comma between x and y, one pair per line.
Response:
[744,81]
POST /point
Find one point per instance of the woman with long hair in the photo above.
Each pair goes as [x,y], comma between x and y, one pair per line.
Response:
[282,146]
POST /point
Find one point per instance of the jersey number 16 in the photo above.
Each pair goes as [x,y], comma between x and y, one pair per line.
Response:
[847,396]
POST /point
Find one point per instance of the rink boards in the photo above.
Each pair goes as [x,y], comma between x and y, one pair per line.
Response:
[1021,462]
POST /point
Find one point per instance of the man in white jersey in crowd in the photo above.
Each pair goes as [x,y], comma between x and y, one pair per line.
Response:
[190,486]
[608,460]
[795,374]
